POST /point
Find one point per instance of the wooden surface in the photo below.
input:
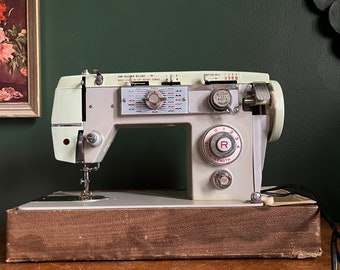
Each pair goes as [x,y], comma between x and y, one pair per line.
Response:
[163,233]
[319,263]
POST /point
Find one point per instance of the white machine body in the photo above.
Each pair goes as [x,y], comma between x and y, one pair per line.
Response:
[229,117]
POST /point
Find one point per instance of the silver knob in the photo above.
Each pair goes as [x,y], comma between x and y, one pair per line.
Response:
[222,179]
[154,99]
[222,144]
[220,99]
[94,138]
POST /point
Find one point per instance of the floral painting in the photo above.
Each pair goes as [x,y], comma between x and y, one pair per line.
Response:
[13,51]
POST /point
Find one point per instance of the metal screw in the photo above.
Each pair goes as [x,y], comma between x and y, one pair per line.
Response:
[255,197]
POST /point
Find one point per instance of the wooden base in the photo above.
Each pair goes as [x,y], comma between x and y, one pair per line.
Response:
[169,232]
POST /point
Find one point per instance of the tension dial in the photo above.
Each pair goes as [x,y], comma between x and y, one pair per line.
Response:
[220,99]
[221,145]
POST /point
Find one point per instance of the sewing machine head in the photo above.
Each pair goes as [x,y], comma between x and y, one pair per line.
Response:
[229,116]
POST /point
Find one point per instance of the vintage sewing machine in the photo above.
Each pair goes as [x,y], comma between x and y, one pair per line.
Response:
[229,117]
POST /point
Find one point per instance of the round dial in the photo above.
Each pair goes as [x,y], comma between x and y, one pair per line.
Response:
[220,99]
[154,99]
[221,145]
[222,179]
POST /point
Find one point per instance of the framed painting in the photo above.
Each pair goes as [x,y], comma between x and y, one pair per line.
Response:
[19,58]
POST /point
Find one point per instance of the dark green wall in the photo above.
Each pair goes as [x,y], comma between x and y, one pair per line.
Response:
[287,39]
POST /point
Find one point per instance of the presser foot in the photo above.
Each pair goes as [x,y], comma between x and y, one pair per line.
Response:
[86,195]
[85,181]
[62,196]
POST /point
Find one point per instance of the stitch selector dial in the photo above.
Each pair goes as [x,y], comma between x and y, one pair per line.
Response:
[154,99]
[221,145]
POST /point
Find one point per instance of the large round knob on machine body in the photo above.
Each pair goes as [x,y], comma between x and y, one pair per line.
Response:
[221,145]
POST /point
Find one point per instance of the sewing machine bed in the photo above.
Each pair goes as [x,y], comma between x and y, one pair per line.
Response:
[139,225]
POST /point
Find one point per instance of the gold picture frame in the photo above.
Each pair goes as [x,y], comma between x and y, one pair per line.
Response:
[26,103]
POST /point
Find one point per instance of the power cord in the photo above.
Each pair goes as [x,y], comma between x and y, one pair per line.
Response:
[303,191]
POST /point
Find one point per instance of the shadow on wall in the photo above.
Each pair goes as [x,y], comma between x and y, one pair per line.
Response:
[325,24]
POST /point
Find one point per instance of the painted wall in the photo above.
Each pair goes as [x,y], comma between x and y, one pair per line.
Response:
[288,39]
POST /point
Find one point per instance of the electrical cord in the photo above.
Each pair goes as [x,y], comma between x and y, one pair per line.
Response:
[303,191]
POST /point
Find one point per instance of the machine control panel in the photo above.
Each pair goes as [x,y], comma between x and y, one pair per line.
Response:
[154,100]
